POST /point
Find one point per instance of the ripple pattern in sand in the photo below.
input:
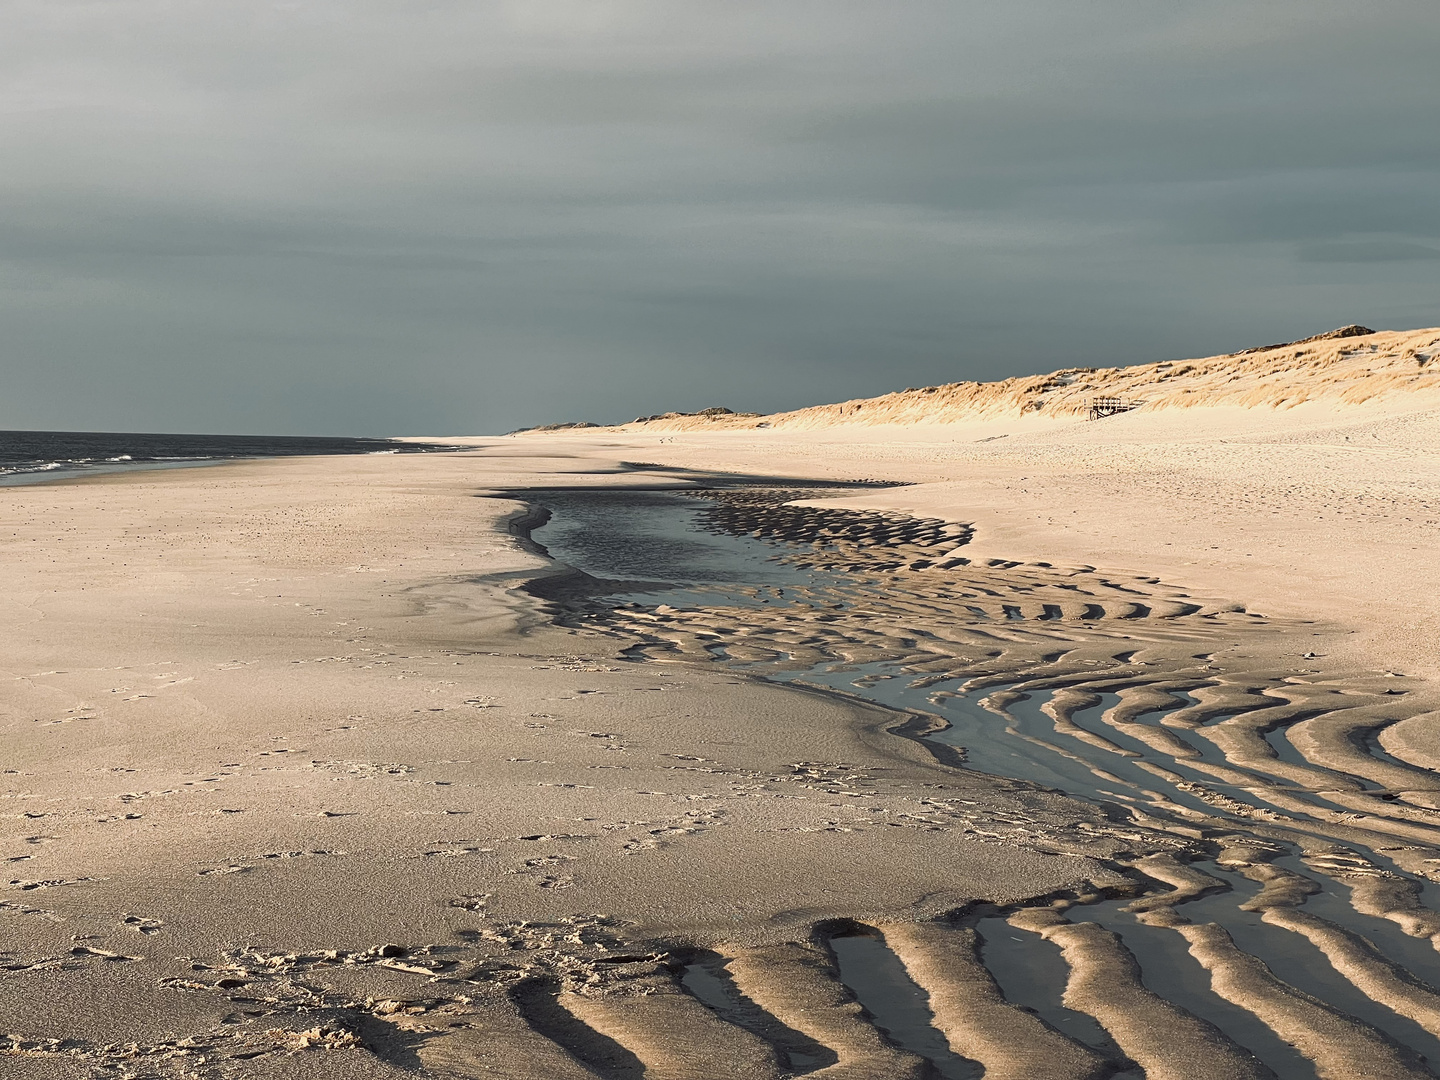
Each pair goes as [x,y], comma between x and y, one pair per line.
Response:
[1279,919]
[1296,882]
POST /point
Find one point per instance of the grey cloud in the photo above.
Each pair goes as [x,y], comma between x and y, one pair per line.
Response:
[1365,251]
[373,217]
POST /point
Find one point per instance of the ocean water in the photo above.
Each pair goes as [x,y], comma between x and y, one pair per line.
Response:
[33,456]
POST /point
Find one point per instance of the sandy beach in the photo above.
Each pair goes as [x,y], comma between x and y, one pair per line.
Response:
[326,767]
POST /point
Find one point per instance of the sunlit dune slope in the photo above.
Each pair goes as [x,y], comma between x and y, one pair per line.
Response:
[1349,365]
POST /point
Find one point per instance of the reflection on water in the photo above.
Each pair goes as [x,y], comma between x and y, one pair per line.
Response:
[1031,973]
[900,1008]
[654,536]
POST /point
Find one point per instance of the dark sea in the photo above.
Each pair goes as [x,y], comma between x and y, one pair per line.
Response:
[32,456]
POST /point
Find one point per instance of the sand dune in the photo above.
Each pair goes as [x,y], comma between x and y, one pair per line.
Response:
[1343,366]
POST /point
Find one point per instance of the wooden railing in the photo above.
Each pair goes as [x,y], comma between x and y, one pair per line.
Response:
[1101,407]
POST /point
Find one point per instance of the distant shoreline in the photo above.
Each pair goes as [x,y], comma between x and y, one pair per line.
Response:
[29,457]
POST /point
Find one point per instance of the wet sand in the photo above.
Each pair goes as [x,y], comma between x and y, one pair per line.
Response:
[288,752]
[306,779]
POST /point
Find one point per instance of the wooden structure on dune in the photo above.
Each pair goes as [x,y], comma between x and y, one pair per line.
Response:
[1101,407]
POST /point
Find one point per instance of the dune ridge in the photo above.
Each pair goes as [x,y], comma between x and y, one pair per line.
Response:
[1349,366]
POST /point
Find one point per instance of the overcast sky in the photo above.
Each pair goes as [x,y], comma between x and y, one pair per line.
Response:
[451,217]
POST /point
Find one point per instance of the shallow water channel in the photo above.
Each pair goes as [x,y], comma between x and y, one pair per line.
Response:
[656,539]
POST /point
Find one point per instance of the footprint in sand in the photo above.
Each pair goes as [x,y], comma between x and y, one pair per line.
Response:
[103,954]
[45,883]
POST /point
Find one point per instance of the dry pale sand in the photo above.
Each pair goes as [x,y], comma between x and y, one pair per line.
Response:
[300,782]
